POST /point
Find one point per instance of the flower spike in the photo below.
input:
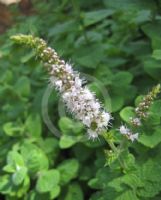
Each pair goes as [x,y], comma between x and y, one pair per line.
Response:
[79,100]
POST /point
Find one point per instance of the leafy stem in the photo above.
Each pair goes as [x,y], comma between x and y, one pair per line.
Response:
[116,151]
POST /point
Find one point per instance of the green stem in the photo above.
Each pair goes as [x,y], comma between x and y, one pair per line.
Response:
[123,144]
[116,151]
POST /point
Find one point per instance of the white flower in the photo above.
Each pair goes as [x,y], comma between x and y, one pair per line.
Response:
[136,109]
[87,94]
[124,130]
[87,121]
[78,82]
[92,134]
[105,118]
[58,84]
[133,137]
[136,121]
[68,68]
[95,106]
[128,133]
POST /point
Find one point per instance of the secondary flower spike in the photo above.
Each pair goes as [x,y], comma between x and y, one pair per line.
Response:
[80,101]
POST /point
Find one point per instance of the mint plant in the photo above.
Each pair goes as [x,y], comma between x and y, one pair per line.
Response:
[81,101]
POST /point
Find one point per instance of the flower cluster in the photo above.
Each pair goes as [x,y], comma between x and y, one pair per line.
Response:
[135,121]
[141,113]
[143,107]
[128,133]
[80,101]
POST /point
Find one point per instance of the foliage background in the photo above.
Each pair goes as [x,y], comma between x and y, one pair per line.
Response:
[117,42]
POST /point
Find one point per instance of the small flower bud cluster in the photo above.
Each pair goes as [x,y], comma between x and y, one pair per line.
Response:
[141,112]
[80,101]
[128,133]
[135,121]
[143,107]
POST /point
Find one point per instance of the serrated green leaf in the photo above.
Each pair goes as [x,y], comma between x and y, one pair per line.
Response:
[96,16]
[50,145]
[157,54]
[12,130]
[151,140]
[66,125]
[15,159]
[55,192]
[130,4]
[122,78]
[67,141]
[68,170]
[126,113]
[70,127]
[142,16]
[19,175]
[153,68]
[156,107]
[9,168]
[89,56]
[22,86]
[150,191]
[65,27]
[36,160]
[47,181]
[5,184]
[152,30]
[33,125]
[129,194]
[147,172]
[116,102]
[27,57]
[74,192]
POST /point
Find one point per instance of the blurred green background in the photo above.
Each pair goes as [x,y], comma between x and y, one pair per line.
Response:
[118,42]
